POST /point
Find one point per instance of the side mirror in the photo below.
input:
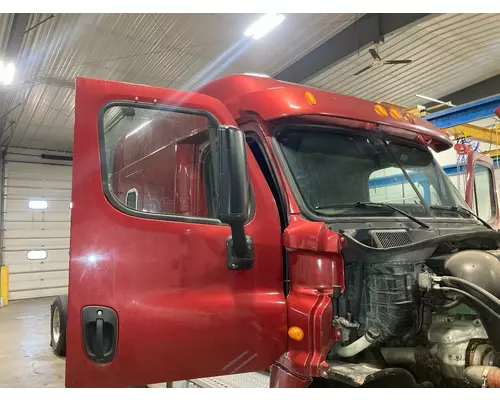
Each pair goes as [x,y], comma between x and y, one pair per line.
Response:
[233,192]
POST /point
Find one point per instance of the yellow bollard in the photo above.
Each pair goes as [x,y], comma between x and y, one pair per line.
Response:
[4,285]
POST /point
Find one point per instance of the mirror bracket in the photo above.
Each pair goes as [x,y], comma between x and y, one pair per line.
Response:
[236,262]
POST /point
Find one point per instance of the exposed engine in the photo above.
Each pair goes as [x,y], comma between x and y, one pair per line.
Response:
[426,313]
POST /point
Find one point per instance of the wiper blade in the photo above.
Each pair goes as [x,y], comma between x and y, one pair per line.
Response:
[462,210]
[361,204]
[373,204]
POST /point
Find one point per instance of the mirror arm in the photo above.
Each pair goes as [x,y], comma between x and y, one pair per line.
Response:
[240,246]
[240,251]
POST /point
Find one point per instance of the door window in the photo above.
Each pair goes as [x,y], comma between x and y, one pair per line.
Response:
[155,160]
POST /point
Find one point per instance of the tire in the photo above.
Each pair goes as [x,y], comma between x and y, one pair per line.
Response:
[58,319]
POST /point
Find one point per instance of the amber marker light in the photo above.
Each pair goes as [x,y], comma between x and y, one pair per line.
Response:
[410,118]
[310,98]
[395,114]
[380,110]
[296,333]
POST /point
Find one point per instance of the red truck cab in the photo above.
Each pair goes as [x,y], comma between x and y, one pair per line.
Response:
[209,229]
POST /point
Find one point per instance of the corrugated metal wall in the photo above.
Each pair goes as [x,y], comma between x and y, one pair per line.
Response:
[27,229]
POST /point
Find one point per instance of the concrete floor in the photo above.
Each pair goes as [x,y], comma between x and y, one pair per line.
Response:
[26,359]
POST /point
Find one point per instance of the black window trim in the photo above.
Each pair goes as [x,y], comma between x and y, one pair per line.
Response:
[111,197]
[282,211]
[282,198]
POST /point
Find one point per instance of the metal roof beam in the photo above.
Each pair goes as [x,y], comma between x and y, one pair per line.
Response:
[466,113]
[480,90]
[475,132]
[368,29]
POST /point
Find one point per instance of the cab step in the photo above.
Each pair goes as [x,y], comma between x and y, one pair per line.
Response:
[247,380]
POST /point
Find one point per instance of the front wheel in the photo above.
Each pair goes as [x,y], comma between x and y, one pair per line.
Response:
[58,318]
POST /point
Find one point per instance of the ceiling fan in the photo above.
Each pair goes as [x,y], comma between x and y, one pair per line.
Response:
[378,62]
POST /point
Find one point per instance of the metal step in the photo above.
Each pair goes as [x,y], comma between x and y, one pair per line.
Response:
[248,380]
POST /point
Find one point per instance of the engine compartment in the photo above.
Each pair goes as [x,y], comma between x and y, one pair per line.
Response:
[427,307]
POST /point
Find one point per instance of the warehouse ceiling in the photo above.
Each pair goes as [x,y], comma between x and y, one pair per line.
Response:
[170,50]
[449,52]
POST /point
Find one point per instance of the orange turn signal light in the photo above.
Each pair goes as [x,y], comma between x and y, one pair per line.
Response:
[410,118]
[296,333]
[395,114]
[310,98]
[380,110]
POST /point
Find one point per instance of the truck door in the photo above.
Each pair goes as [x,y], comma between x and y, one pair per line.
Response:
[481,191]
[151,298]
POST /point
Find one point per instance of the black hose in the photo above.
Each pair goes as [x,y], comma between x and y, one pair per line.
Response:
[473,286]
[450,305]
[420,317]
[471,297]
[446,306]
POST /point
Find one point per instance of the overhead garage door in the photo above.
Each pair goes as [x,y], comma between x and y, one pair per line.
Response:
[36,234]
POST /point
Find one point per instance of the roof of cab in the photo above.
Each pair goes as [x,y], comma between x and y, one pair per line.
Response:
[273,99]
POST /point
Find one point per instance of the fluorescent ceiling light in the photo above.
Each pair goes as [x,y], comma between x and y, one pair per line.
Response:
[255,74]
[37,204]
[7,71]
[264,25]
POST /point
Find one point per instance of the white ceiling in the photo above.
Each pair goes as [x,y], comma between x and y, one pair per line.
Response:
[449,52]
[170,50]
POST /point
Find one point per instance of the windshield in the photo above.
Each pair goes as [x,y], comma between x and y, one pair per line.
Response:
[335,170]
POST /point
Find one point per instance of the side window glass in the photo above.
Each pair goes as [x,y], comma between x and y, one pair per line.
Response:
[483,191]
[155,160]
